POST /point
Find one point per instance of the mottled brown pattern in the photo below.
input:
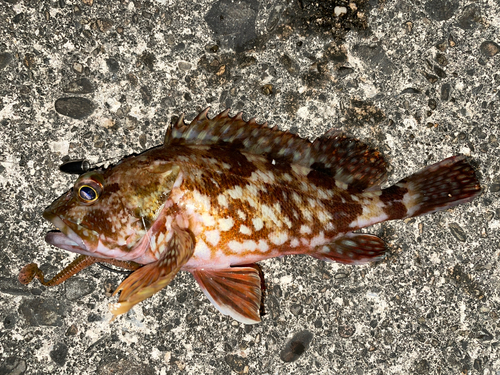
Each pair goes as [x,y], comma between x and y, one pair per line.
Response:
[213,183]
[343,213]
[320,179]
[240,165]
[112,188]
[392,197]
[98,219]
[348,160]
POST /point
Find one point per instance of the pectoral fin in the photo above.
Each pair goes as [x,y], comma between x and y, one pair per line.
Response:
[235,291]
[353,248]
[153,277]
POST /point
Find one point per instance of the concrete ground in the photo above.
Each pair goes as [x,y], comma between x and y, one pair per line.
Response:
[102,79]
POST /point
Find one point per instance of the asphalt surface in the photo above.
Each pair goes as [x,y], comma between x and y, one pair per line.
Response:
[101,80]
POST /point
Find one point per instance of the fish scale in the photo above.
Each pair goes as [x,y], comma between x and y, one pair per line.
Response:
[222,194]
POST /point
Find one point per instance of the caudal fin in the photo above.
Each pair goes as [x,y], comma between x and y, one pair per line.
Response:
[438,187]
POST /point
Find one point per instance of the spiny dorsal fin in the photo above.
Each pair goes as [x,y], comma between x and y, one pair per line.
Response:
[244,135]
[334,154]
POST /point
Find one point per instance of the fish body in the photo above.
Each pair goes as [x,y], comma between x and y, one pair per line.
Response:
[222,194]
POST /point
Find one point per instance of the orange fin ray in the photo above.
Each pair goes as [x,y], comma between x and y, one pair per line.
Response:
[353,248]
[235,291]
[153,277]
[141,285]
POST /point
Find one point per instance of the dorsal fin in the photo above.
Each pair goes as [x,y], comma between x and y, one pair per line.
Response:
[348,160]
[334,154]
[245,135]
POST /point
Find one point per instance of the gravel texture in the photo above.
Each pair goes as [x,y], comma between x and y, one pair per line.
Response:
[99,80]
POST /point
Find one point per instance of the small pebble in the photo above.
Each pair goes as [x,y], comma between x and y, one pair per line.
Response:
[183,65]
[296,346]
[5,59]
[77,67]
[489,48]
[339,10]
[457,232]
[267,89]
[74,107]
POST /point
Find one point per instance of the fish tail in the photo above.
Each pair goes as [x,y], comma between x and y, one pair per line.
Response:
[438,187]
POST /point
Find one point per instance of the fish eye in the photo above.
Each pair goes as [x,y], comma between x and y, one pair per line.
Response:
[87,193]
[89,187]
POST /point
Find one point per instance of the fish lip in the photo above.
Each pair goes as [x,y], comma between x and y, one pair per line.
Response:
[60,240]
[65,238]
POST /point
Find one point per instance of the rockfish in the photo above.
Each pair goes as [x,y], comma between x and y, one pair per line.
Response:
[222,194]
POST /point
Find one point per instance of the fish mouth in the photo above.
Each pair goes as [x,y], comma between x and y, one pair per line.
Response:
[60,240]
[65,238]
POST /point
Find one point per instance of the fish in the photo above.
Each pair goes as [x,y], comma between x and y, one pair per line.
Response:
[221,194]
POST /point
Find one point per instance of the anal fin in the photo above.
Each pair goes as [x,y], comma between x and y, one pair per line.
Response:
[235,291]
[352,248]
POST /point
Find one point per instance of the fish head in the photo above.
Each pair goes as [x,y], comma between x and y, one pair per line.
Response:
[108,213]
